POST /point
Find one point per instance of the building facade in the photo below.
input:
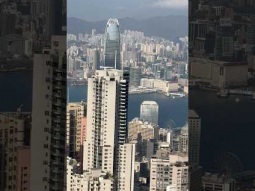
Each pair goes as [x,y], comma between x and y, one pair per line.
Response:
[12,145]
[107,124]
[149,112]
[49,117]
[112,44]
[75,113]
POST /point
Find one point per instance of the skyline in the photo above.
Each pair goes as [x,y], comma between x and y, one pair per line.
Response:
[142,9]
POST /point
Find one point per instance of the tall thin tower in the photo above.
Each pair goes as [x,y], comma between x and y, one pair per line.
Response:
[112,44]
[49,118]
[107,107]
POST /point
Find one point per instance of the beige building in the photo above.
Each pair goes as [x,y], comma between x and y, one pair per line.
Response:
[75,114]
[216,182]
[218,73]
[148,83]
[23,168]
[12,141]
[186,89]
[200,68]
[146,129]
[227,74]
[169,172]
[165,86]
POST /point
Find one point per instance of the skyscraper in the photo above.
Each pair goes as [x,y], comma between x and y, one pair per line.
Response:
[194,129]
[107,125]
[135,76]
[112,44]
[49,118]
[149,111]
[75,113]
[96,60]
[12,141]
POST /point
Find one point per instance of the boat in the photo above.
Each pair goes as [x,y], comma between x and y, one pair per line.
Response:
[223,93]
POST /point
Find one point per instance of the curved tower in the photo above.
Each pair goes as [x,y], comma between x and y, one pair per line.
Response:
[112,44]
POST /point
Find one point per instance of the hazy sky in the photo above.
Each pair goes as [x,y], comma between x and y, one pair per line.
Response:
[92,10]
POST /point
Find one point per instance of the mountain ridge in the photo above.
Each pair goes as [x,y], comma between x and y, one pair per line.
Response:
[169,27]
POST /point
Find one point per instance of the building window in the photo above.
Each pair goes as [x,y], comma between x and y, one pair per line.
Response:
[56,43]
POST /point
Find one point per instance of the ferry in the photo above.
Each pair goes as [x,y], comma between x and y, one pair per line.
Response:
[223,93]
[141,91]
[173,95]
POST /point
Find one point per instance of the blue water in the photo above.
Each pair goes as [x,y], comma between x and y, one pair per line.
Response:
[169,109]
[16,90]
[226,126]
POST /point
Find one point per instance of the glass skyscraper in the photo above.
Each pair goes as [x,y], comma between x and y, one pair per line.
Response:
[149,112]
[112,44]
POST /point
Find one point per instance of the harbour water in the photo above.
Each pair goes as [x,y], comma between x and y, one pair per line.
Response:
[171,111]
[227,125]
[16,90]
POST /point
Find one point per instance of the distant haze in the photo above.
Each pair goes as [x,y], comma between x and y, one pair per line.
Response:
[95,10]
[169,27]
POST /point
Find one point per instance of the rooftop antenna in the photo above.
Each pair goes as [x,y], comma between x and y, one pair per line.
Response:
[115,59]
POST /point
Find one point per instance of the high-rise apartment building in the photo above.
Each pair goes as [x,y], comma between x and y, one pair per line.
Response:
[135,76]
[12,144]
[194,129]
[49,117]
[144,129]
[96,60]
[126,167]
[75,114]
[184,140]
[218,182]
[149,111]
[107,106]
[89,181]
[112,44]
[172,171]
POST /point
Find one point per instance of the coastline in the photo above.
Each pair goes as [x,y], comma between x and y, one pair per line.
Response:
[15,69]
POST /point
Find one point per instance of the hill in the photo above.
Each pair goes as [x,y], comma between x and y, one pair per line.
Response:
[169,27]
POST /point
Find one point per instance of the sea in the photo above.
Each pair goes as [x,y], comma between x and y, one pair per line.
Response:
[226,125]
[16,90]
[172,112]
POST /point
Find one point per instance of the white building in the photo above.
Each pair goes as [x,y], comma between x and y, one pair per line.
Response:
[169,172]
[149,111]
[127,167]
[147,83]
[107,124]
[93,180]
[48,117]
[184,140]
